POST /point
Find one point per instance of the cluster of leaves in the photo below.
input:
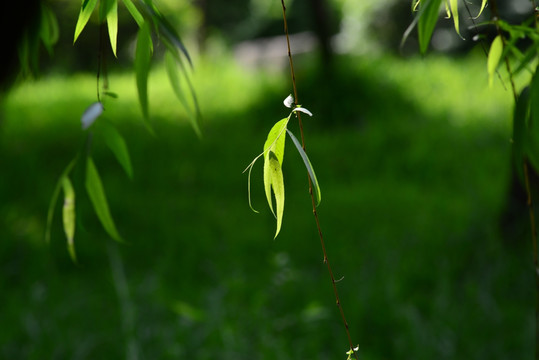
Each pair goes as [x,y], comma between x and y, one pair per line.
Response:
[427,15]
[516,45]
[150,21]
[273,154]
[47,34]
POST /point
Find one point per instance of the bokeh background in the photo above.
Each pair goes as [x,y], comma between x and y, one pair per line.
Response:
[424,224]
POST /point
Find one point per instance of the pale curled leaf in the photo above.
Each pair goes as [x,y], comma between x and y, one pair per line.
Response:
[303,110]
[96,193]
[289,101]
[68,216]
[309,166]
[91,113]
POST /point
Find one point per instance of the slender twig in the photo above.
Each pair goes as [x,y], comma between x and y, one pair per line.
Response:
[315,213]
[531,212]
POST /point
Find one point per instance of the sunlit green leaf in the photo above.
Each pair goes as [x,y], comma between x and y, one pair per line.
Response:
[454,6]
[276,139]
[68,213]
[135,13]
[117,145]
[86,10]
[112,23]
[272,167]
[483,4]
[171,66]
[309,166]
[96,193]
[54,198]
[427,19]
[274,145]
[494,56]
[143,54]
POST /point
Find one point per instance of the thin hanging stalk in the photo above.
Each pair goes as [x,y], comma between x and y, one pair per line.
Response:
[315,213]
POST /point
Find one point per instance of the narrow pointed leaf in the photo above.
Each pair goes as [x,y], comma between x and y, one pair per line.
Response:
[494,56]
[454,6]
[483,4]
[97,196]
[91,113]
[54,198]
[267,182]
[117,145]
[277,185]
[68,213]
[276,139]
[135,13]
[86,10]
[427,19]
[143,54]
[171,66]
[112,24]
[309,166]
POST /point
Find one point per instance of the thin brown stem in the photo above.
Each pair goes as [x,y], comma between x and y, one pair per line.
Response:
[315,213]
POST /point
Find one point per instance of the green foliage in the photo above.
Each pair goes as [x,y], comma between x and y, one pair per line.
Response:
[494,56]
[68,215]
[273,154]
[143,55]
[86,10]
[96,192]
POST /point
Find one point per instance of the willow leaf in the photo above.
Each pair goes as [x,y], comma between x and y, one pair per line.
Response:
[135,13]
[171,65]
[117,145]
[483,4]
[494,56]
[275,140]
[97,196]
[454,6]
[275,178]
[309,166]
[427,19]
[143,54]
[86,10]
[54,198]
[68,215]
[112,24]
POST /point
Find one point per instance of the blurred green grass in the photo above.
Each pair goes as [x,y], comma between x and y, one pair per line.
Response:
[413,157]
